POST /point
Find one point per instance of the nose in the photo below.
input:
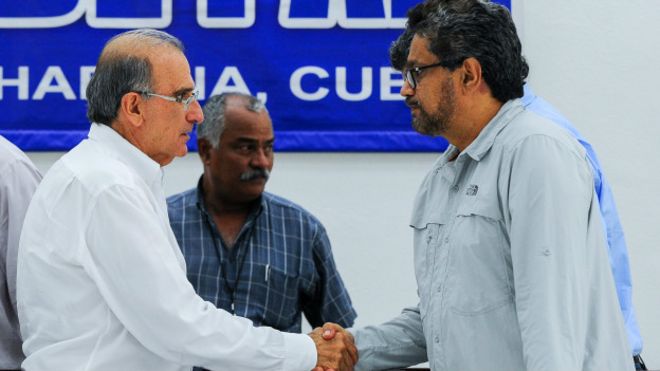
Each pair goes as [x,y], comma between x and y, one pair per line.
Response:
[406,89]
[195,113]
[261,159]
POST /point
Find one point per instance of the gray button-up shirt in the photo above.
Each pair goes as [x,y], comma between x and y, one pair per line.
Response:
[18,180]
[510,258]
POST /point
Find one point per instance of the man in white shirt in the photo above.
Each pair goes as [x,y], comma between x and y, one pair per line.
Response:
[18,180]
[101,279]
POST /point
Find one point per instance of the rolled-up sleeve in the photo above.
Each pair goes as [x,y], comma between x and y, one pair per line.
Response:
[557,243]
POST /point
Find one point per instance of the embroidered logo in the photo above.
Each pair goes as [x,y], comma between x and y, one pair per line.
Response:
[472,190]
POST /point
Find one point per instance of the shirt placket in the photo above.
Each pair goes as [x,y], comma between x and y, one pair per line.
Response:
[440,263]
[239,267]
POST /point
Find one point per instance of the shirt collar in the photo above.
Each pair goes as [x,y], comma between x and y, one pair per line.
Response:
[121,149]
[484,141]
[528,96]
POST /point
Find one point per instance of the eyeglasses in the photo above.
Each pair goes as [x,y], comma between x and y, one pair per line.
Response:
[181,98]
[411,76]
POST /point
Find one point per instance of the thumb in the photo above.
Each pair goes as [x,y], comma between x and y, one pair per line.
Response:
[329,333]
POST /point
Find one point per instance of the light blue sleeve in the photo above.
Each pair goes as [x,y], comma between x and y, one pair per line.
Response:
[620,267]
[394,344]
[618,251]
[564,292]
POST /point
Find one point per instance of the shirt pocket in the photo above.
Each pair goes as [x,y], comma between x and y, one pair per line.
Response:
[480,262]
[281,298]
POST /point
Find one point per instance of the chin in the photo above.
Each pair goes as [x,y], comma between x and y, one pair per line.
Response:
[182,151]
[165,162]
[256,190]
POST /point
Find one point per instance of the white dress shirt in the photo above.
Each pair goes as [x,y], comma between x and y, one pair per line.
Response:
[102,283]
[18,180]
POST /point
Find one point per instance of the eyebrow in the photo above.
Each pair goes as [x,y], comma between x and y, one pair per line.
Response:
[252,140]
[183,91]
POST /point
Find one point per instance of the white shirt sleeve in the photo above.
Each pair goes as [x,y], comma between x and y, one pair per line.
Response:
[133,264]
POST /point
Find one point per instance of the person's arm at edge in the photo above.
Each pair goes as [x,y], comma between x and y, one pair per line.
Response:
[21,179]
[618,252]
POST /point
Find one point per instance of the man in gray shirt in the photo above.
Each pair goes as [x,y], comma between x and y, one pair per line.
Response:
[509,248]
[18,180]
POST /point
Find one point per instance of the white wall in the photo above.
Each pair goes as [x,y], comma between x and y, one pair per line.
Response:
[596,60]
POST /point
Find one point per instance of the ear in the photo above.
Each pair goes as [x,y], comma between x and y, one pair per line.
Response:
[204,148]
[471,77]
[131,109]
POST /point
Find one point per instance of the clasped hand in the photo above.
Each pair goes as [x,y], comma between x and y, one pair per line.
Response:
[335,348]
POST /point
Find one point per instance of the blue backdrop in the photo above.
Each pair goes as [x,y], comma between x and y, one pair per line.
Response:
[321,65]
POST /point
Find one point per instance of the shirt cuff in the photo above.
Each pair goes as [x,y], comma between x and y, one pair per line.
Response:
[299,352]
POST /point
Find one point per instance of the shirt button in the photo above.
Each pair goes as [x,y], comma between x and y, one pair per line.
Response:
[454,188]
[436,339]
[446,239]
[439,289]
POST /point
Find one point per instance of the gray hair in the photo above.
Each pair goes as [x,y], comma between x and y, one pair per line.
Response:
[214,115]
[123,67]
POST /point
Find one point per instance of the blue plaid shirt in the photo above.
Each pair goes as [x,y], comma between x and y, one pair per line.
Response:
[280,266]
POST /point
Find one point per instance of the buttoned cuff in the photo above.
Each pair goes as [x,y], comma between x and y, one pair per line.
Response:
[299,351]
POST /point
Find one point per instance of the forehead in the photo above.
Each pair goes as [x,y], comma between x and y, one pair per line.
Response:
[170,70]
[419,52]
[243,123]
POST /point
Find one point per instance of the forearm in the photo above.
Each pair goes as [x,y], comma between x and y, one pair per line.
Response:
[396,343]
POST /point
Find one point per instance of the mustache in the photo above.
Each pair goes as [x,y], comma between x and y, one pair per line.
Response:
[411,103]
[254,174]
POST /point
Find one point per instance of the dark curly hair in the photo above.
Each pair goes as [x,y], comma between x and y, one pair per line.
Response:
[460,29]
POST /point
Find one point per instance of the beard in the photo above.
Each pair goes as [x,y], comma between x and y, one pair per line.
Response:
[438,122]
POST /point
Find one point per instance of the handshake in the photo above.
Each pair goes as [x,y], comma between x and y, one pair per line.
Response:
[335,348]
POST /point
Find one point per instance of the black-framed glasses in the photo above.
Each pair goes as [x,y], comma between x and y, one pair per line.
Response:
[412,75]
[184,98]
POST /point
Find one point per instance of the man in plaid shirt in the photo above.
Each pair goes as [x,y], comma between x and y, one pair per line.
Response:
[247,251]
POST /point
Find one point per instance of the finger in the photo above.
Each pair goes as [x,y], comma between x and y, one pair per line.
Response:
[353,353]
[346,362]
[351,347]
[332,325]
